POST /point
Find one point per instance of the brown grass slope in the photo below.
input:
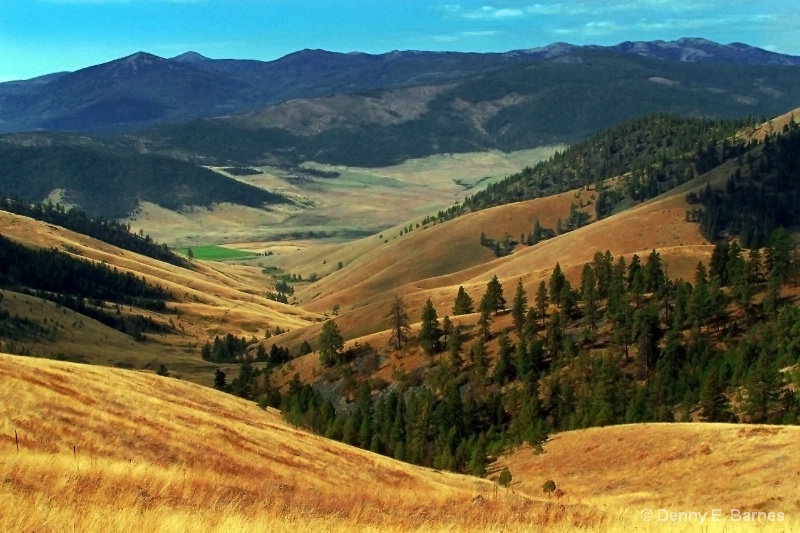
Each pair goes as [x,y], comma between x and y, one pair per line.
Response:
[209,299]
[682,467]
[95,449]
[434,262]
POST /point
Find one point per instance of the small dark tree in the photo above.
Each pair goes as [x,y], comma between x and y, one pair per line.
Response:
[549,487]
[463,303]
[331,343]
[493,297]
[429,331]
[505,477]
[485,320]
[447,329]
[162,370]
[305,348]
[399,322]
[220,383]
[519,308]
[557,280]
[542,301]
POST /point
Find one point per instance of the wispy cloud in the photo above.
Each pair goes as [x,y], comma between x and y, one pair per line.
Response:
[462,35]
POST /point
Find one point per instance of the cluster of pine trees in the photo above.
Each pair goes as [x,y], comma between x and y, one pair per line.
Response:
[53,271]
[106,230]
[762,194]
[628,344]
[81,285]
[659,152]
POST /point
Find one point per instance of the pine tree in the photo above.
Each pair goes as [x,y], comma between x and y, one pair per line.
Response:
[219,380]
[648,334]
[429,332]
[763,386]
[480,364]
[504,370]
[485,319]
[714,404]
[590,296]
[447,330]
[399,322]
[493,297]
[455,347]
[331,343]
[542,301]
[519,308]
[505,477]
[463,303]
[557,281]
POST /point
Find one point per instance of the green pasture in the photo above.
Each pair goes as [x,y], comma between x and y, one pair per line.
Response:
[215,253]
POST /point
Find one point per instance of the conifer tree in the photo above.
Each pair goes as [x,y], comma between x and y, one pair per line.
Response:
[485,319]
[429,332]
[331,343]
[399,322]
[463,303]
[714,404]
[763,386]
[505,477]
[590,296]
[493,297]
[542,301]
[220,382]
[455,347]
[519,308]
[557,281]
[504,370]
[447,330]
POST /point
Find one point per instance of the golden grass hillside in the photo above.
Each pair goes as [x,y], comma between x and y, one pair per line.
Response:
[95,449]
[679,467]
[434,262]
[208,299]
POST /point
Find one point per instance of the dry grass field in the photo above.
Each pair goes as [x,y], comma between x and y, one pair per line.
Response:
[354,203]
[209,299]
[679,467]
[91,449]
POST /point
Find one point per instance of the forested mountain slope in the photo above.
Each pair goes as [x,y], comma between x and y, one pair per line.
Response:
[560,100]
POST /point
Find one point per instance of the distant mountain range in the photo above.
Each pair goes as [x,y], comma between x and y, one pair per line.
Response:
[143,90]
[139,128]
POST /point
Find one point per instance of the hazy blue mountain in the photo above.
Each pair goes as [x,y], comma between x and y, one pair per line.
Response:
[143,90]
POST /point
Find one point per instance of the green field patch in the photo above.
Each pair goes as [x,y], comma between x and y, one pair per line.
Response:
[216,253]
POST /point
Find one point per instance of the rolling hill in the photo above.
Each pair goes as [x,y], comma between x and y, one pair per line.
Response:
[97,449]
[206,300]
[111,179]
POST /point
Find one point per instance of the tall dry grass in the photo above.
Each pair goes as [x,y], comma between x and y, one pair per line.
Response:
[103,450]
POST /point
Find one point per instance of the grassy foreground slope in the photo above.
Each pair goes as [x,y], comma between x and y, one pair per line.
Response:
[101,449]
[681,467]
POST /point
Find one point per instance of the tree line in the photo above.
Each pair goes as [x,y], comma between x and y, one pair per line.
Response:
[106,230]
[627,344]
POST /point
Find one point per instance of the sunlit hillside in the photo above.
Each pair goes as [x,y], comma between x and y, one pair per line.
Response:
[433,262]
[95,449]
[679,467]
[207,299]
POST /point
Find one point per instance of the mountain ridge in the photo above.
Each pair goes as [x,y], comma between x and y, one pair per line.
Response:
[150,90]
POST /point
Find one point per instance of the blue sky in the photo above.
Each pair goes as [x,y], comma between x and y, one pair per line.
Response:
[43,36]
